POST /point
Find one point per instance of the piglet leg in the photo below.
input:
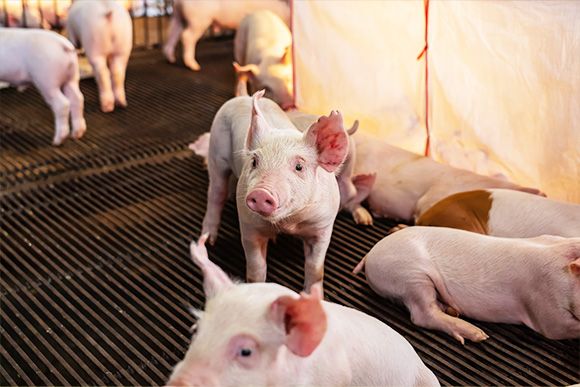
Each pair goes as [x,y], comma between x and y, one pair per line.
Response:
[425,312]
[314,254]
[256,249]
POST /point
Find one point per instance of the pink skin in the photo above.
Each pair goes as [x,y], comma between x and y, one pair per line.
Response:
[406,184]
[286,339]
[262,49]
[191,19]
[286,181]
[104,30]
[438,271]
[49,62]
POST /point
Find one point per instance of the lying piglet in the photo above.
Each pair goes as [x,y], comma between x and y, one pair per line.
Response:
[191,19]
[435,270]
[49,62]
[286,179]
[262,49]
[104,30]
[504,213]
[265,334]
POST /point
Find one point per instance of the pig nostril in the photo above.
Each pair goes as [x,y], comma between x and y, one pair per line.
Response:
[253,200]
[269,202]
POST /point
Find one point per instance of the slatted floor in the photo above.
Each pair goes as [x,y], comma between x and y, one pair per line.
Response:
[95,273]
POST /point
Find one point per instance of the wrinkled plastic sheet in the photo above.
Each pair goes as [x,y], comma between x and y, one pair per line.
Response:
[504,81]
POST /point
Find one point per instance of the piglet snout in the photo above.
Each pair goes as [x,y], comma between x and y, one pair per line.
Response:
[262,201]
[194,378]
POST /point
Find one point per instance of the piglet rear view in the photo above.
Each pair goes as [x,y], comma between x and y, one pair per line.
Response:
[49,62]
[265,334]
[439,272]
[104,30]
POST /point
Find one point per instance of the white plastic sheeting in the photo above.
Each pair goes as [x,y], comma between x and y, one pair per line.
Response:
[504,80]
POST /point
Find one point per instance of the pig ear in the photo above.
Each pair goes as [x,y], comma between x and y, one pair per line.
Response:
[287,56]
[258,126]
[214,278]
[574,267]
[330,139]
[303,318]
[249,69]
[364,184]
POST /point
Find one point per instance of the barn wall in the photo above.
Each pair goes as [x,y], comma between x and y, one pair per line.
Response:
[504,84]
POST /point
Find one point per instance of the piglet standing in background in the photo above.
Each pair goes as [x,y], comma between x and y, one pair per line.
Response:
[191,19]
[286,179]
[263,51]
[104,30]
[441,272]
[284,339]
[504,213]
[48,61]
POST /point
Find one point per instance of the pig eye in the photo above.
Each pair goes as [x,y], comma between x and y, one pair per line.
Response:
[245,352]
[254,163]
[298,167]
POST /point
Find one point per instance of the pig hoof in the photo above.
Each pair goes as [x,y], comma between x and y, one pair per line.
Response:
[465,330]
[121,104]
[362,216]
[107,107]
[398,227]
[58,140]
[193,65]
[169,54]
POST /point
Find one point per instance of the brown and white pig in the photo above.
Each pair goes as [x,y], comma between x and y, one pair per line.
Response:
[504,213]
[191,19]
[263,51]
[441,272]
[48,61]
[286,181]
[104,30]
[265,335]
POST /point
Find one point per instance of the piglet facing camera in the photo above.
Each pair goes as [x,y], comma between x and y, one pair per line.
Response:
[286,179]
[265,334]
[440,272]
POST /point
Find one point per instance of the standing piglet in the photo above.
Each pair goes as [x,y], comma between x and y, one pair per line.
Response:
[49,62]
[104,30]
[440,272]
[286,179]
[266,335]
[262,49]
[191,19]
[504,213]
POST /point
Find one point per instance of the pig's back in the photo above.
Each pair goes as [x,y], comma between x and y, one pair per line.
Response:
[520,214]
[378,355]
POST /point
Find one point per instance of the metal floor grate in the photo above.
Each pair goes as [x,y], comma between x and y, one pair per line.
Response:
[95,272]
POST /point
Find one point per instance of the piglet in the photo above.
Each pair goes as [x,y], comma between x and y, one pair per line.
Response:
[504,213]
[263,51]
[48,61]
[266,334]
[191,19]
[440,272]
[286,179]
[104,30]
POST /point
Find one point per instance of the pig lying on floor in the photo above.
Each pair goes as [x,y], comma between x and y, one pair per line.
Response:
[406,184]
[49,62]
[437,270]
[504,213]
[265,334]
[286,181]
